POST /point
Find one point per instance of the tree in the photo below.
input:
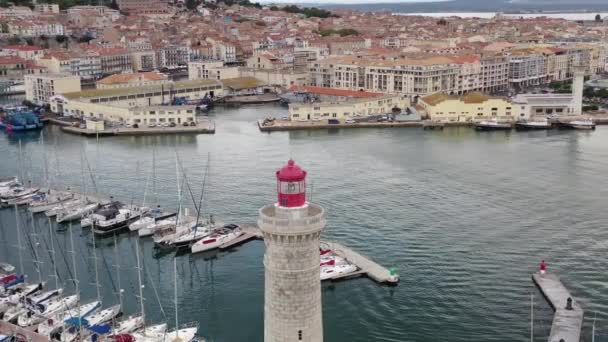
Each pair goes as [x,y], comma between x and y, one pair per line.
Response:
[114,5]
[598,18]
[442,22]
[191,4]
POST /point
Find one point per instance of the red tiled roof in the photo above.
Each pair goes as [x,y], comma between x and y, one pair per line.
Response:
[11,60]
[334,92]
[22,48]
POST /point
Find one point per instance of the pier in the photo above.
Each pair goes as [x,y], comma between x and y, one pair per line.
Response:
[200,128]
[21,334]
[567,322]
[365,266]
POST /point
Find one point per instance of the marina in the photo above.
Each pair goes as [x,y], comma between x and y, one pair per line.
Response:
[419,243]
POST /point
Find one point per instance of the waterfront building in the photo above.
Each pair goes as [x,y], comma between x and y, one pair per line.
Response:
[14,68]
[40,88]
[554,104]
[130,80]
[211,70]
[343,110]
[527,68]
[86,65]
[471,107]
[135,104]
[292,228]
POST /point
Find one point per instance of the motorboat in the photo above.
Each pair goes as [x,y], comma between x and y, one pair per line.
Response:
[492,125]
[149,218]
[219,237]
[47,201]
[583,124]
[537,124]
[76,212]
[54,307]
[6,182]
[332,271]
[53,324]
[154,226]
[111,217]
[90,321]
[7,268]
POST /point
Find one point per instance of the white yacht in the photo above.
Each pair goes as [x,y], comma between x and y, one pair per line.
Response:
[47,201]
[76,212]
[6,182]
[54,323]
[154,226]
[219,237]
[99,317]
[52,308]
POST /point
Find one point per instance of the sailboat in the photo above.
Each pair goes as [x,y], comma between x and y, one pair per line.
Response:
[43,311]
[6,182]
[22,307]
[219,237]
[46,201]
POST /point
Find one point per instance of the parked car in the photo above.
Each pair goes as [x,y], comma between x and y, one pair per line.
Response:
[185,124]
[152,125]
[333,121]
[135,125]
[349,121]
[285,117]
[172,124]
[128,125]
[193,124]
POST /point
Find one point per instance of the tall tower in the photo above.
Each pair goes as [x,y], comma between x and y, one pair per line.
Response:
[292,292]
[577,90]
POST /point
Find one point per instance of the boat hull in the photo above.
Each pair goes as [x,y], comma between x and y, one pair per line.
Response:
[528,127]
[493,127]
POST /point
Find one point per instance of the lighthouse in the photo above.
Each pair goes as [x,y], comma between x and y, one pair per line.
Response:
[292,292]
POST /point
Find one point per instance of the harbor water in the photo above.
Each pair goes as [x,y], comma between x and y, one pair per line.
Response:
[463,216]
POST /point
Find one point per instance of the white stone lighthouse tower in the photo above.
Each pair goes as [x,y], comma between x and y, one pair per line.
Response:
[292,293]
[578,84]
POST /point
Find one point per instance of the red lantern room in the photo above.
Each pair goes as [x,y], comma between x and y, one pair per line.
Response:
[291,185]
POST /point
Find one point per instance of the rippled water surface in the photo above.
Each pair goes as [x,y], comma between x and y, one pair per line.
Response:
[463,216]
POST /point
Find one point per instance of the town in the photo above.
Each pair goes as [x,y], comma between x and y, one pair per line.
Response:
[151,66]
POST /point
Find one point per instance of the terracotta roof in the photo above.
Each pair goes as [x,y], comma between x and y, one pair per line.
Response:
[22,48]
[126,78]
[11,60]
[334,92]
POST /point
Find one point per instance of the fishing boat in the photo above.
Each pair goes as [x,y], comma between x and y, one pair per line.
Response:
[53,324]
[219,237]
[492,125]
[582,124]
[54,307]
[46,201]
[535,124]
[76,212]
[20,119]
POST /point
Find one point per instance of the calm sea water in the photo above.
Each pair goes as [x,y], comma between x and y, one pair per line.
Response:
[463,216]
[488,15]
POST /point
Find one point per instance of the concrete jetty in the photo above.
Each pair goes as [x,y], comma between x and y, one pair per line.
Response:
[368,267]
[20,333]
[365,266]
[567,322]
[201,128]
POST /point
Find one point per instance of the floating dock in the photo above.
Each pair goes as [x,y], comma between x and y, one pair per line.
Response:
[20,333]
[567,322]
[365,266]
[200,128]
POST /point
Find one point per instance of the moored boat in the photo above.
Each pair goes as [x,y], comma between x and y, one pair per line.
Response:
[583,124]
[219,237]
[492,125]
[535,124]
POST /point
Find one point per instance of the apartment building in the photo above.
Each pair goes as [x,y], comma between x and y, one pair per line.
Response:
[15,68]
[143,60]
[40,88]
[47,8]
[114,60]
[211,70]
[87,65]
[527,67]
[172,56]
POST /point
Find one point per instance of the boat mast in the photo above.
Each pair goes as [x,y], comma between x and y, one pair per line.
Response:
[593,330]
[34,246]
[117,266]
[179,194]
[19,247]
[141,287]
[55,274]
[154,176]
[175,297]
[531,317]
[75,280]
[94,257]
[22,176]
